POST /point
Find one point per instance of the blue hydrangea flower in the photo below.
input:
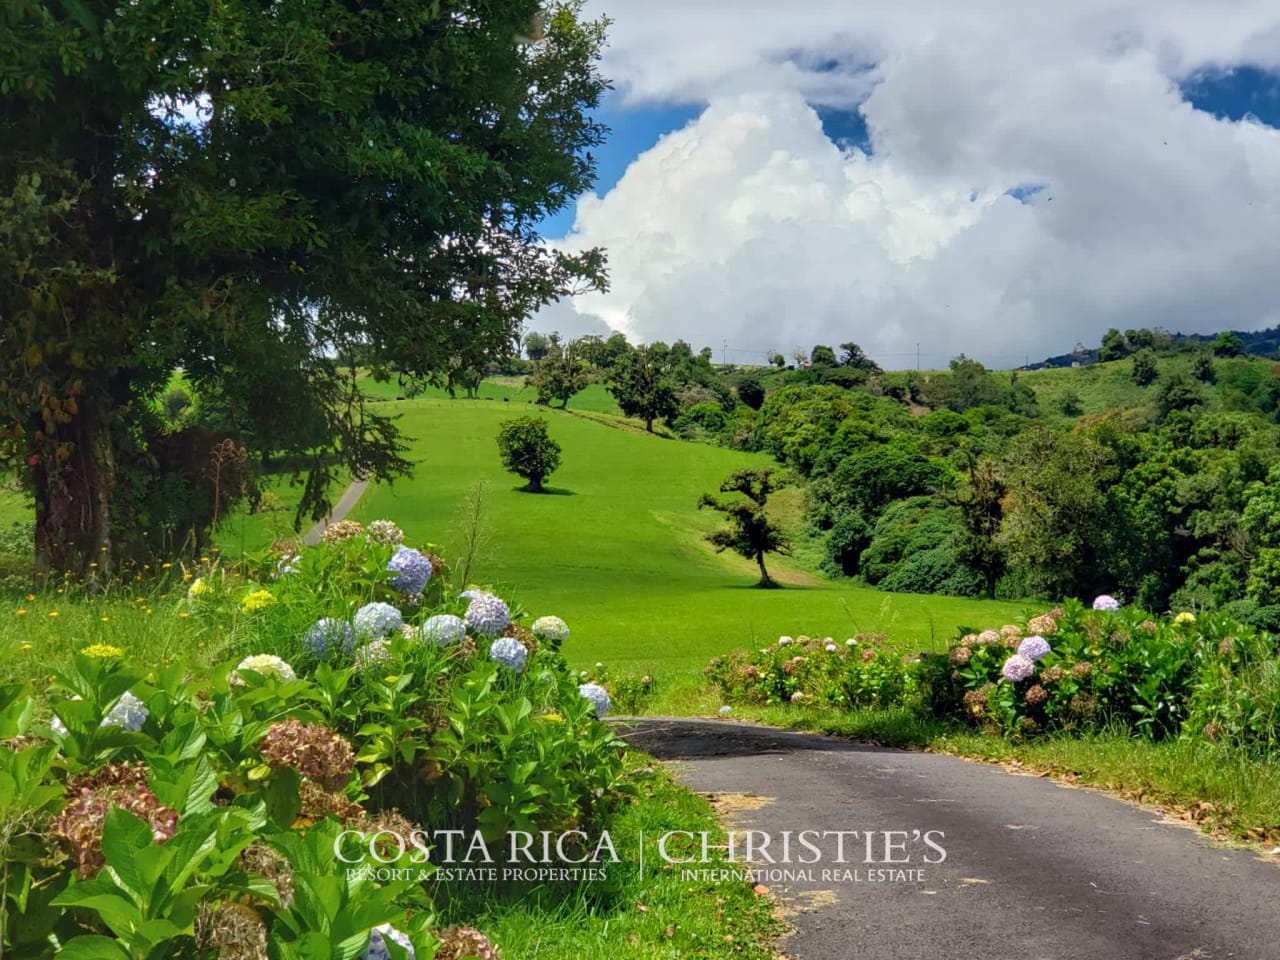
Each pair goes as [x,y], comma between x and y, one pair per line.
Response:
[598,696]
[509,652]
[444,629]
[550,628]
[487,615]
[412,571]
[473,593]
[129,713]
[328,634]
[1034,647]
[1018,667]
[1106,602]
[378,937]
[377,620]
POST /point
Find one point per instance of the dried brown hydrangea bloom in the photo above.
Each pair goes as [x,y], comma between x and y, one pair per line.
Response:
[438,566]
[79,825]
[1082,705]
[959,656]
[1036,695]
[1028,727]
[1044,624]
[233,931]
[1148,626]
[130,774]
[517,632]
[1011,630]
[312,749]
[1081,670]
[267,862]
[1227,647]
[342,530]
[457,943]
[1052,674]
[318,804]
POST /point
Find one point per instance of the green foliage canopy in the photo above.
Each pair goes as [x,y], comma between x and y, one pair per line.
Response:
[248,192]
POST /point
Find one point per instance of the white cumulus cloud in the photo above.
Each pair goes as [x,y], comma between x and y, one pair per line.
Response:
[750,225]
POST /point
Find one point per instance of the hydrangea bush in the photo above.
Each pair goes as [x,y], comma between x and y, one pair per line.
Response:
[862,671]
[337,725]
[1078,668]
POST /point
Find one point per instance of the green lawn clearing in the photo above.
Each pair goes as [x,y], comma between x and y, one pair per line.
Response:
[616,547]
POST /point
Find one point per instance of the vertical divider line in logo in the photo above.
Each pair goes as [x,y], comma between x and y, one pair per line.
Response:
[642,855]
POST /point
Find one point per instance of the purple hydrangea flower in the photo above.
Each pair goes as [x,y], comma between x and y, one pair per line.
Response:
[378,937]
[412,571]
[473,593]
[487,615]
[509,652]
[1106,602]
[377,620]
[1034,647]
[444,629]
[1018,667]
[598,696]
[328,634]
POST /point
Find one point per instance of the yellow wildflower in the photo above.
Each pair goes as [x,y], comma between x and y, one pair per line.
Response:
[53,613]
[258,600]
[102,651]
[25,646]
[1185,617]
[22,613]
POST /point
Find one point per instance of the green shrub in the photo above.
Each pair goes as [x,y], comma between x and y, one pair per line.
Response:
[163,808]
[863,671]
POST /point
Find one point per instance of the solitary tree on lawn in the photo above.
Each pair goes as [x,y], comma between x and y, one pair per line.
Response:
[527,450]
[250,191]
[643,386]
[750,532]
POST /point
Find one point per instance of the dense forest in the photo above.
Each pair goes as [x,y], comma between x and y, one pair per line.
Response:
[1151,474]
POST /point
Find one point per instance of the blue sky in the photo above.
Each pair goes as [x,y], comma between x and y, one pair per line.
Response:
[1034,176]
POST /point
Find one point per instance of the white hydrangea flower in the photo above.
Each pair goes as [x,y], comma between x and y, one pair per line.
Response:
[550,628]
[267,664]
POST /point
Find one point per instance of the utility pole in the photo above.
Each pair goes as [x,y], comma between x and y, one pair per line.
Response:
[724,356]
[917,358]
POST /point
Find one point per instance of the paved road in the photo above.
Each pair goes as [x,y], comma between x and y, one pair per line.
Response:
[350,497]
[1033,870]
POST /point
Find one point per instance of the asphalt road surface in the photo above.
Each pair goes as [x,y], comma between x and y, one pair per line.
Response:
[1033,870]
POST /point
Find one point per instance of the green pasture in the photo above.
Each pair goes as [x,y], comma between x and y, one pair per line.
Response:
[616,547]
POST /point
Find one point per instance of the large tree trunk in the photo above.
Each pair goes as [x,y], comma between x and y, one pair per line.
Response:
[73,500]
[535,484]
[765,579]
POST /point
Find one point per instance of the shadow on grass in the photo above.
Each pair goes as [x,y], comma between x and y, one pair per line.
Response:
[547,492]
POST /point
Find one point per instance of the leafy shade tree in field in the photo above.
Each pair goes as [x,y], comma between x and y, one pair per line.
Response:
[528,450]
[1202,368]
[1228,344]
[1144,367]
[250,191]
[560,374]
[750,532]
[853,356]
[980,502]
[644,387]
[536,345]
[822,356]
[751,390]
[1114,346]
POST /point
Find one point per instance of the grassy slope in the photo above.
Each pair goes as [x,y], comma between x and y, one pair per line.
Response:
[1109,386]
[617,548]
